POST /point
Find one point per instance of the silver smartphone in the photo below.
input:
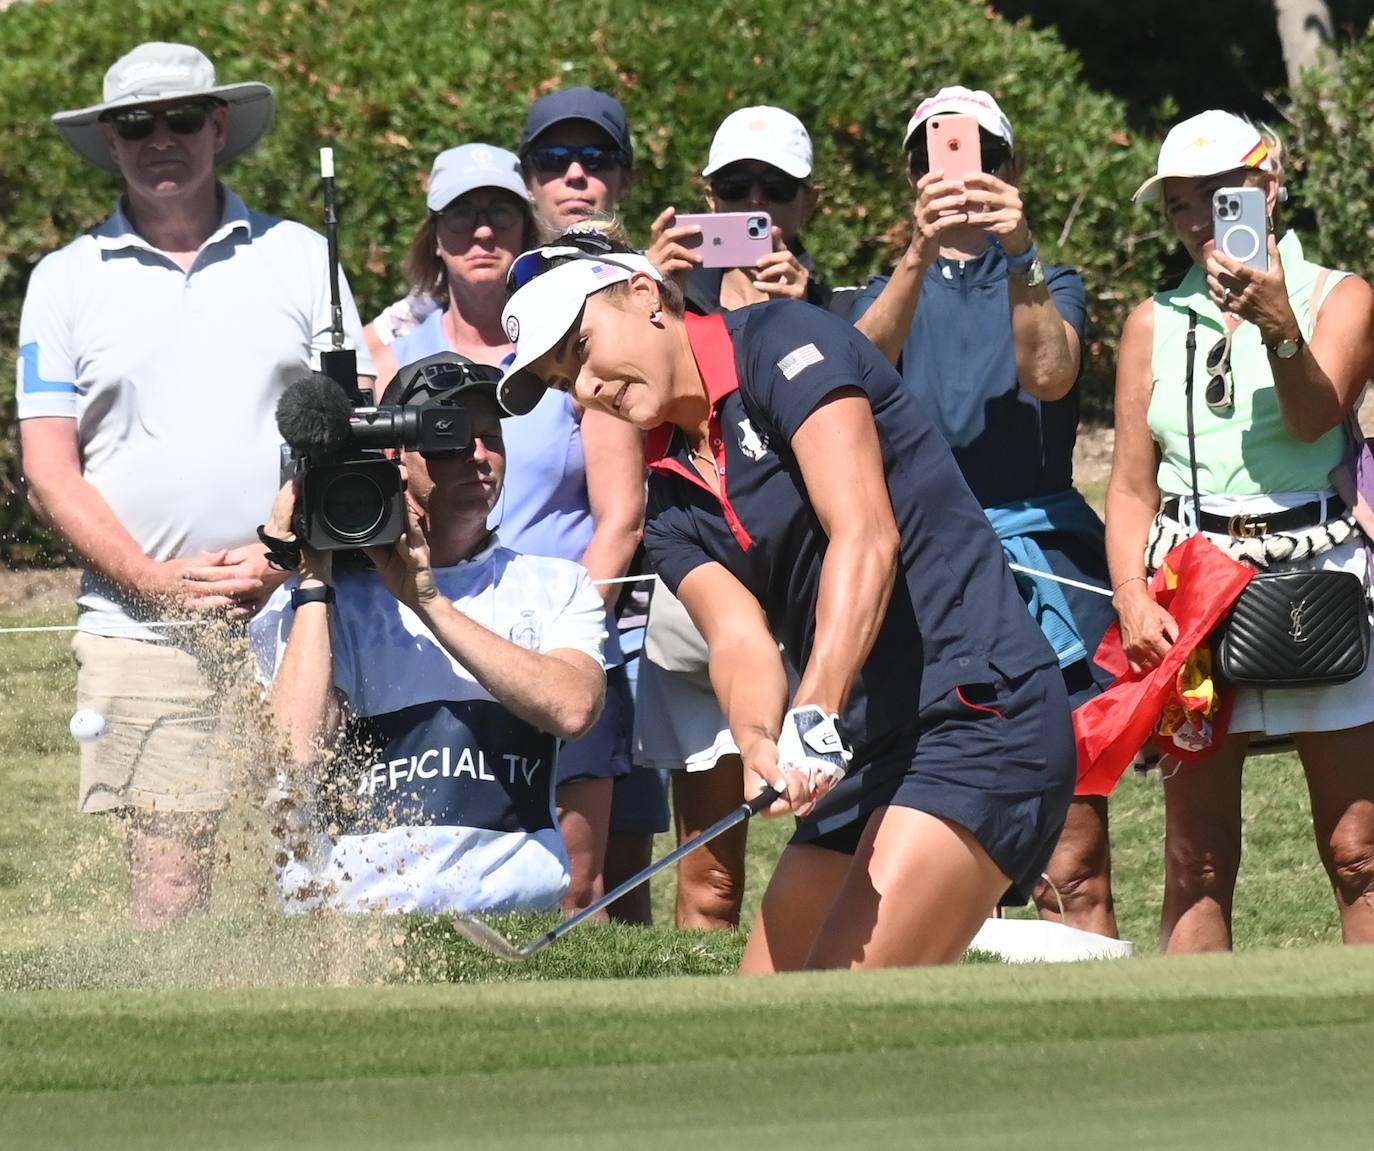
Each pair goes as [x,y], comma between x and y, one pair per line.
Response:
[1240,225]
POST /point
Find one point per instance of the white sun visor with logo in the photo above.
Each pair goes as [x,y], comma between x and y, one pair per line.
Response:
[543,311]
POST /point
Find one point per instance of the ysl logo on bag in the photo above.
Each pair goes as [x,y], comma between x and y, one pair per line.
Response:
[1295,616]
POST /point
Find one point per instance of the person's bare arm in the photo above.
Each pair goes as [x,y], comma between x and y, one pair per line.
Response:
[614,453]
[1047,347]
[841,462]
[71,506]
[746,672]
[559,691]
[306,708]
[939,207]
[1318,386]
[1147,630]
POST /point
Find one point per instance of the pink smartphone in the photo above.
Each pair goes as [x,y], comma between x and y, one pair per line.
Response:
[729,239]
[952,143]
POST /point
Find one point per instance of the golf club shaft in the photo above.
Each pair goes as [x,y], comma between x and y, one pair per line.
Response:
[760,802]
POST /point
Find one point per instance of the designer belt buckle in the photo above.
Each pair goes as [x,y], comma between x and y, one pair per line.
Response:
[1242,527]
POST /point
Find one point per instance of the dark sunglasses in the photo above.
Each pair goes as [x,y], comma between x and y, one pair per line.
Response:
[777,187]
[992,154]
[537,261]
[140,123]
[467,218]
[555,159]
[1220,393]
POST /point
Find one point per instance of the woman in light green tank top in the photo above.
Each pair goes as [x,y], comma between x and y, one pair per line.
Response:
[1268,409]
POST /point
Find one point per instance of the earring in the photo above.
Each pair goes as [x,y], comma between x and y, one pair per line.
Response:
[656,317]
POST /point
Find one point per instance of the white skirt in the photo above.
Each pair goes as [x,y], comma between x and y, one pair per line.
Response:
[1284,711]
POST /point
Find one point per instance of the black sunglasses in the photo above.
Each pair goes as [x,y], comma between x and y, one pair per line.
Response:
[139,123]
[992,153]
[555,159]
[777,187]
[467,218]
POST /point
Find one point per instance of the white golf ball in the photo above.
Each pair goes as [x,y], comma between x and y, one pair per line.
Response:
[87,724]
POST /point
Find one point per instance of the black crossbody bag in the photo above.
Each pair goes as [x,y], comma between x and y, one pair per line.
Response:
[1287,629]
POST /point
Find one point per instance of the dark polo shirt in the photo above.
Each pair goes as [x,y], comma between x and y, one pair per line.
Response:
[955,616]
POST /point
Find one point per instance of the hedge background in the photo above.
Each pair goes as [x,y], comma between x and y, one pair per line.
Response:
[389,84]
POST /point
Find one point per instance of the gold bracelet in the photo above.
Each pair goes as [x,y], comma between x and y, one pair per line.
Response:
[1129,579]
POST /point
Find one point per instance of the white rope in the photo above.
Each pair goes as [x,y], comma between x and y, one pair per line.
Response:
[1061,579]
[202,622]
[650,578]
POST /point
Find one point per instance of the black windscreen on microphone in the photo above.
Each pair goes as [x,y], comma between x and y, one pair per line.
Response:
[313,416]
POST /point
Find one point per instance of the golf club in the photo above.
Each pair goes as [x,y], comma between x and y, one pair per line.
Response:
[494,943]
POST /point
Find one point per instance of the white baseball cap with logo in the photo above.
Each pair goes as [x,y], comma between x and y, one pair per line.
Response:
[1208,144]
[542,311]
[468,167]
[769,135]
[957,100]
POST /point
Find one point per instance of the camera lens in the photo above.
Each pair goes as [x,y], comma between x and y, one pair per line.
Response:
[352,506]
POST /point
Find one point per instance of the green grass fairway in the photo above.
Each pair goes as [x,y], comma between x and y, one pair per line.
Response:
[1249,1052]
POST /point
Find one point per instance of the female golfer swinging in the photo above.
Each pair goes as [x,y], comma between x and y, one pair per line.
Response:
[799,496]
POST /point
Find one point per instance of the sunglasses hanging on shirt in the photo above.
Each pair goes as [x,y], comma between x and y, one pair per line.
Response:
[1220,392]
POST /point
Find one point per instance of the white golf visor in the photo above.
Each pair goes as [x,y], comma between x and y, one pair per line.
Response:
[543,310]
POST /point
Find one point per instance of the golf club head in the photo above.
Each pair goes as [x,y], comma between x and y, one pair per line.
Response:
[491,941]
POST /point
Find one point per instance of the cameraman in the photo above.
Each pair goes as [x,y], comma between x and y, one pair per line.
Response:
[446,676]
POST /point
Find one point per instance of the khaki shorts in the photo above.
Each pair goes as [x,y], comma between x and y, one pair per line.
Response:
[158,751]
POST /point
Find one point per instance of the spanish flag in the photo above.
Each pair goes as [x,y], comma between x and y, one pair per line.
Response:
[1256,157]
[1197,584]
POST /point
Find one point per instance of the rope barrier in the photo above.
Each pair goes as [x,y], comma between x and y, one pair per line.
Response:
[650,578]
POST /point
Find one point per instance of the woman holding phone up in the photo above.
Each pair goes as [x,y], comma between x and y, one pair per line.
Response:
[1281,356]
[799,495]
[991,341]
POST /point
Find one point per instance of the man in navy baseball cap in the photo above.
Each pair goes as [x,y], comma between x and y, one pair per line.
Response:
[577,155]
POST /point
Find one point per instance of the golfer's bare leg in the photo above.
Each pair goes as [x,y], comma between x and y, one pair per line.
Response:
[798,899]
[710,881]
[171,862]
[917,891]
[1079,874]
[1341,787]
[584,815]
[1201,849]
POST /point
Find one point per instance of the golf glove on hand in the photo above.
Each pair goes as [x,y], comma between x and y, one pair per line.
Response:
[810,743]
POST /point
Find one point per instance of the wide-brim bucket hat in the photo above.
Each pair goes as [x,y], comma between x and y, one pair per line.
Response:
[157,73]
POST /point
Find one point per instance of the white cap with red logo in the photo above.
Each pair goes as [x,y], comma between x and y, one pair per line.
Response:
[960,101]
[769,135]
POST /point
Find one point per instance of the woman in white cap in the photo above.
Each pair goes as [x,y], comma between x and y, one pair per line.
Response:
[799,495]
[479,218]
[991,340]
[1231,395]
[760,160]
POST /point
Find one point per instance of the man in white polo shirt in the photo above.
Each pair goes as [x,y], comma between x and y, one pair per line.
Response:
[152,353]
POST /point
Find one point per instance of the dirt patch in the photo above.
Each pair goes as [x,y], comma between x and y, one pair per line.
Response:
[1092,457]
[35,590]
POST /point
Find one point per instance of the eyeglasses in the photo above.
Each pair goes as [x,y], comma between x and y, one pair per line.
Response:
[140,123]
[555,159]
[1220,393]
[777,187]
[458,217]
[992,154]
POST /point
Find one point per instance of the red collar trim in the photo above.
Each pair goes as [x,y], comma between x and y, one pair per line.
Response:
[714,353]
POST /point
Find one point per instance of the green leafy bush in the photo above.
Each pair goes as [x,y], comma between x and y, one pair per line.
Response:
[390,84]
[1332,143]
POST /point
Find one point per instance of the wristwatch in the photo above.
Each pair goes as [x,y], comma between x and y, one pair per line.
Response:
[1028,266]
[322,594]
[1286,349]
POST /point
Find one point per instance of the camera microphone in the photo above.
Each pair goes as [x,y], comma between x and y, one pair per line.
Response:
[314,417]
